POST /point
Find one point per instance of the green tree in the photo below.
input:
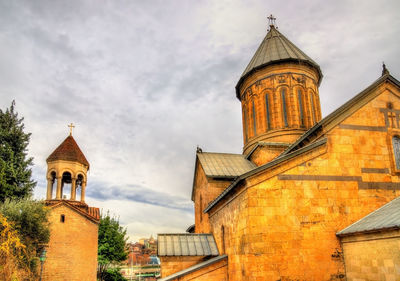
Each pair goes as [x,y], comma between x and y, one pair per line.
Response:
[15,171]
[30,220]
[113,274]
[112,244]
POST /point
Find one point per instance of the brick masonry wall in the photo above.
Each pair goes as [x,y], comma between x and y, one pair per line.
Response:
[72,251]
[281,224]
[372,256]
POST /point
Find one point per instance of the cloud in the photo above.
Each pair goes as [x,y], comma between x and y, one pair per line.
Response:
[145,82]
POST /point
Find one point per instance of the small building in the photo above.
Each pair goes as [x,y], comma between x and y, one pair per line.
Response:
[72,250]
[371,246]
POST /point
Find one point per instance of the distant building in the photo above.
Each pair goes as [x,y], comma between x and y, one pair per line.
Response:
[142,262]
[72,250]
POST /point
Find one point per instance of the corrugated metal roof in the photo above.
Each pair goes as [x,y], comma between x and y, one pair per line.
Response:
[276,48]
[193,268]
[224,164]
[388,216]
[186,244]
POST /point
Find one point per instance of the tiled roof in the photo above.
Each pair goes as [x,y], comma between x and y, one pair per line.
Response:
[386,217]
[193,268]
[276,48]
[224,164]
[186,244]
[68,150]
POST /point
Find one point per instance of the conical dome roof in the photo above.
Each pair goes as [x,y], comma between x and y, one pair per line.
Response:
[276,48]
[68,150]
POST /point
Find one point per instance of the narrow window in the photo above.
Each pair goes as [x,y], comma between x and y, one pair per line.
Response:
[201,208]
[396,149]
[312,108]
[62,218]
[223,239]
[300,108]
[267,112]
[283,93]
[245,122]
[254,120]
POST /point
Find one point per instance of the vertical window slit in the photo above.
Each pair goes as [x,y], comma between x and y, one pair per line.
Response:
[312,108]
[245,123]
[267,112]
[283,93]
[254,120]
[300,108]
[396,150]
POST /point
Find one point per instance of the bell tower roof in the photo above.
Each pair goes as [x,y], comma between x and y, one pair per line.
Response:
[275,49]
[68,150]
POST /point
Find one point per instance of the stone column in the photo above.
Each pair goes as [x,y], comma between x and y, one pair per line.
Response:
[73,189]
[58,194]
[49,188]
[83,191]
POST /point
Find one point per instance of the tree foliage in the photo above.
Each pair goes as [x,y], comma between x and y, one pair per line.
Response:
[11,253]
[30,221]
[113,274]
[15,172]
[111,243]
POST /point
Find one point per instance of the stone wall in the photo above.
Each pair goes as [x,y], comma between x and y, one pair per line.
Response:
[172,264]
[72,251]
[216,271]
[372,256]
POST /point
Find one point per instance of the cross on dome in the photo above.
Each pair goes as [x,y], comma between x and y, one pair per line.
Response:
[271,21]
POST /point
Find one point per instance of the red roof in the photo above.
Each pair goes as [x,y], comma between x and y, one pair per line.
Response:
[68,150]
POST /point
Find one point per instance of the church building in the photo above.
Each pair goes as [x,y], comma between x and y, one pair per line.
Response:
[72,250]
[309,198]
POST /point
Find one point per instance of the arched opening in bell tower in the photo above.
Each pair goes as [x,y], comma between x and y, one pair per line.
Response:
[78,188]
[66,185]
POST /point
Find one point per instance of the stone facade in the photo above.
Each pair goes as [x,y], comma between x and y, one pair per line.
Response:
[373,256]
[72,251]
[171,265]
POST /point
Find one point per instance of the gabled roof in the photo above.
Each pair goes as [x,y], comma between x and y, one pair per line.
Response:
[276,48]
[186,244]
[339,113]
[193,268]
[92,213]
[386,217]
[68,150]
[224,164]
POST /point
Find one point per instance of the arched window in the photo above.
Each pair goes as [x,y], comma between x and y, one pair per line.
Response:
[301,110]
[312,108]
[396,150]
[254,120]
[267,112]
[283,95]
[245,123]
[223,239]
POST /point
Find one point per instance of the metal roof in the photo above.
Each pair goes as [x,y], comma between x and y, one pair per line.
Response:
[276,48]
[388,216]
[193,268]
[224,164]
[186,244]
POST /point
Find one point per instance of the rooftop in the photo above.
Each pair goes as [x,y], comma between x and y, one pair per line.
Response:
[68,150]
[386,217]
[186,244]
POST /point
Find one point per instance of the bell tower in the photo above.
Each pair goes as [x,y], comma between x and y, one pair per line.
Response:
[278,91]
[67,166]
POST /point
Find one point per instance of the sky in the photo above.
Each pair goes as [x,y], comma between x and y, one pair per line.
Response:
[146,82]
